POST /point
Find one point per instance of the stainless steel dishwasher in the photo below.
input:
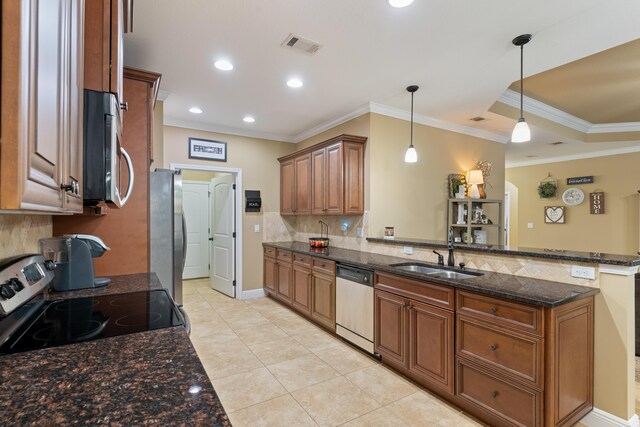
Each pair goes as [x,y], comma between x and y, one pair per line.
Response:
[354,305]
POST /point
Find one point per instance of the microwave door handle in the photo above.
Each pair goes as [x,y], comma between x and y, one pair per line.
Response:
[131,176]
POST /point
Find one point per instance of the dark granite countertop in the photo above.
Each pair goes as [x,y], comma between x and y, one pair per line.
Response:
[543,293]
[147,378]
[559,254]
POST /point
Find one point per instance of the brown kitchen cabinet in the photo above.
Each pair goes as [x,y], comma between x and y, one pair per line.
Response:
[302,277]
[390,327]
[41,104]
[323,299]
[103,41]
[131,254]
[324,179]
[270,270]
[284,286]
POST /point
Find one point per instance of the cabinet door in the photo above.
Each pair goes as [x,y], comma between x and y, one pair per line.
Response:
[284,288]
[323,299]
[353,179]
[302,184]
[391,328]
[431,354]
[302,289]
[334,180]
[287,179]
[270,275]
[318,171]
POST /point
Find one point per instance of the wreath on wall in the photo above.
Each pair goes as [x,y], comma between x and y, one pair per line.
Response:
[548,189]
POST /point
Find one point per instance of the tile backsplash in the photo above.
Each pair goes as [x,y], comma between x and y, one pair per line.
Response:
[20,233]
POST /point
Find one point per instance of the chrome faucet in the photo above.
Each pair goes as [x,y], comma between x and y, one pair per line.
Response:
[451,261]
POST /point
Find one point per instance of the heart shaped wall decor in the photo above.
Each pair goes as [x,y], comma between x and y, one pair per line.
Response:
[554,214]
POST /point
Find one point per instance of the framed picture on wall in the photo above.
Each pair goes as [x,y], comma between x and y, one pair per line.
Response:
[207,149]
[554,214]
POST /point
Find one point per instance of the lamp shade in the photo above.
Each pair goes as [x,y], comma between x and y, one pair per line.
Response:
[521,132]
[411,156]
[475,177]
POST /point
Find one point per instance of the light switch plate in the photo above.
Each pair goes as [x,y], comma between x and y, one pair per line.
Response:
[583,272]
[256,228]
[359,232]
[408,250]
[529,225]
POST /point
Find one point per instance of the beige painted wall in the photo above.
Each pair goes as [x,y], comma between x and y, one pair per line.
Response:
[413,197]
[615,231]
[261,171]
[19,234]
[192,175]
[513,211]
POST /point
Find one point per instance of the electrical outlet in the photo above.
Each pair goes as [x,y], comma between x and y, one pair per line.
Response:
[583,272]
[408,250]
[359,231]
[256,228]
[529,225]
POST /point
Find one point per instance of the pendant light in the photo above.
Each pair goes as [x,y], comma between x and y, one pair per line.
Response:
[521,132]
[411,156]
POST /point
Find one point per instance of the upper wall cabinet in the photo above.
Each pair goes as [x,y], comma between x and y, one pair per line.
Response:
[105,25]
[324,179]
[41,106]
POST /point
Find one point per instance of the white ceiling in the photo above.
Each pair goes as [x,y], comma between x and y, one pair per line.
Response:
[458,52]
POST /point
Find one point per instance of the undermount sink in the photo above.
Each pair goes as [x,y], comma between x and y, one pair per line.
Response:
[435,272]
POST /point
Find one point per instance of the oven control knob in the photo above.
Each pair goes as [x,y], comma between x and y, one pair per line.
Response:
[50,265]
[6,292]
[16,284]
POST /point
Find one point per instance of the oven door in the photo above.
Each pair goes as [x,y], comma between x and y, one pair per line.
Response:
[116,174]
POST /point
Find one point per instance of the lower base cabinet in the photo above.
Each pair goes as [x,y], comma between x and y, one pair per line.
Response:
[504,362]
[323,299]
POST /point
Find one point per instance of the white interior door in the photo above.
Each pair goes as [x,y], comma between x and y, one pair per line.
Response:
[195,202]
[222,231]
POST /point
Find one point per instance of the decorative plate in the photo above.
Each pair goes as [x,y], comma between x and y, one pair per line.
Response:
[573,196]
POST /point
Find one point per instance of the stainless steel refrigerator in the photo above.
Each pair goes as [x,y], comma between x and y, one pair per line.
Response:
[168,230]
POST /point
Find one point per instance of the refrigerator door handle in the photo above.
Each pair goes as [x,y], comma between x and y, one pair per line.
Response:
[184,240]
[185,318]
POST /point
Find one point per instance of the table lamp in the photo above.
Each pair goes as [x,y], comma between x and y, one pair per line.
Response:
[475,179]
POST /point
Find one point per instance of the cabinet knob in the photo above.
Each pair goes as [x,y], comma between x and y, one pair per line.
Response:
[493,347]
[124,106]
[67,187]
[494,394]
[493,309]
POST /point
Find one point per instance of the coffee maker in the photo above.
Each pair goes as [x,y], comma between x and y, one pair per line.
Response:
[73,255]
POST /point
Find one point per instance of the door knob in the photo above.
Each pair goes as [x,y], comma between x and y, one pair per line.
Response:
[211,239]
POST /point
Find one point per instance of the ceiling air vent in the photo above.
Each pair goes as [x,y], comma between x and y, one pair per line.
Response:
[301,44]
[556,143]
[477,119]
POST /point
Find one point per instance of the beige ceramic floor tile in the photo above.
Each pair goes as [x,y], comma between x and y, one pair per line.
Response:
[295,326]
[218,343]
[205,329]
[316,341]
[249,320]
[283,411]
[271,352]
[381,384]
[197,306]
[301,372]
[248,388]
[260,334]
[379,418]
[334,402]
[420,409]
[230,363]
[345,359]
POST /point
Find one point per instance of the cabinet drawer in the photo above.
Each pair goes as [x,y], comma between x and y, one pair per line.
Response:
[284,255]
[427,292]
[513,315]
[515,404]
[302,259]
[270,252]
[513,354]
[324,266]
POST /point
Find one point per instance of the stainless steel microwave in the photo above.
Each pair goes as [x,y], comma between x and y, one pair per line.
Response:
[104,156]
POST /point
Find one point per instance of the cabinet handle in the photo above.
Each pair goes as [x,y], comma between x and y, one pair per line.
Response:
[494,309]
[124,106]
[494,394]
[493,347]
[67,187]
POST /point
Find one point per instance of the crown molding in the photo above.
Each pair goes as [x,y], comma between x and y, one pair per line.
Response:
[591,155]
[208,127]
[545,111]
[364,109]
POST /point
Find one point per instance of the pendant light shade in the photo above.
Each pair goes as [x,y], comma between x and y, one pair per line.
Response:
[521,132]
[411,156]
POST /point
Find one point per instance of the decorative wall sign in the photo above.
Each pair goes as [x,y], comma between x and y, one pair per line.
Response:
[554,214]
[207,149]
[596,203]
[580,180]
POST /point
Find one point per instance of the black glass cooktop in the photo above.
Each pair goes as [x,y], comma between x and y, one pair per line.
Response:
[89,318]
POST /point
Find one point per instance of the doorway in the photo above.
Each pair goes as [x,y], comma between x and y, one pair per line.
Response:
[213,250]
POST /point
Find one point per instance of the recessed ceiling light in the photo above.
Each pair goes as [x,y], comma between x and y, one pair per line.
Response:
[399,3]
[248,119]
[195,110]
[223,65]
[295,83]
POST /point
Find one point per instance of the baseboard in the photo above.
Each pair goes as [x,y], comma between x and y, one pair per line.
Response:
[600,418]
[254,293]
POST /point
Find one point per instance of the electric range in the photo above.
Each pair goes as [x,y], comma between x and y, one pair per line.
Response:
[32,323]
